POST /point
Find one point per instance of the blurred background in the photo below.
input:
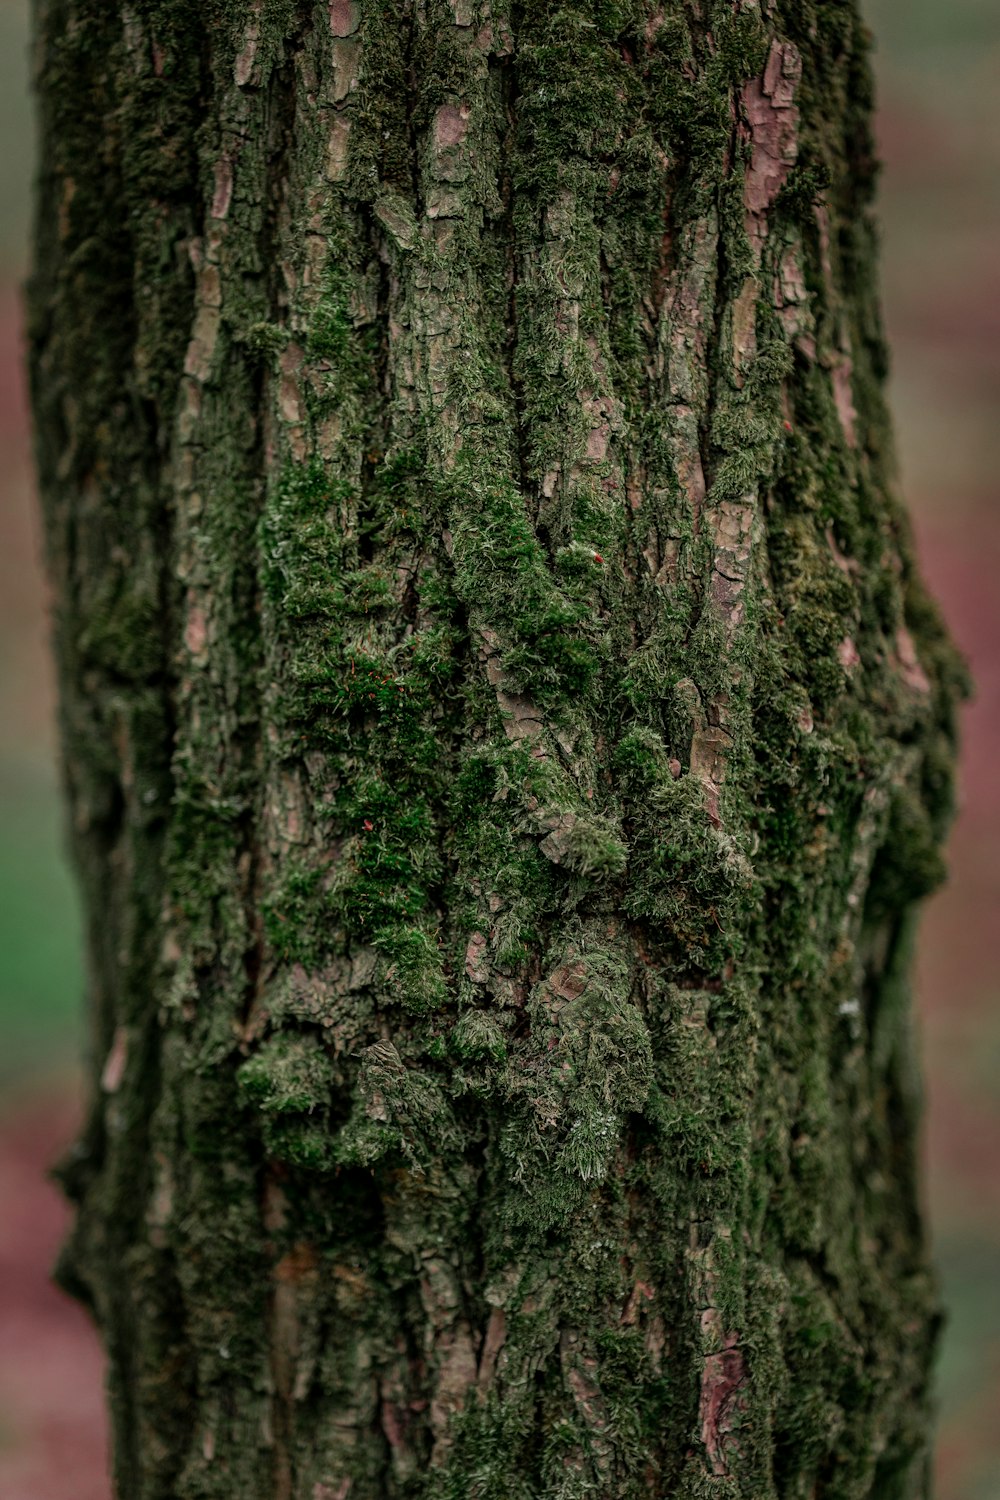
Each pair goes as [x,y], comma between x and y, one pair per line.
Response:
[938,70]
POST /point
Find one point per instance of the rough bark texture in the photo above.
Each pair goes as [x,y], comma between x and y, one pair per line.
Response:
[506,741]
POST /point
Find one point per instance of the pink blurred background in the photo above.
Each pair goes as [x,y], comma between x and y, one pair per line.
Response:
[939,82]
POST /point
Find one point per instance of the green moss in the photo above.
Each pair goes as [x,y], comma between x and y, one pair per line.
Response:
[411,974]
[398,1113]
[587,1066]
[477,1034]
[289,1080]
[592,847]
[684,872]
[287,1075]
[909,865]
[296,917]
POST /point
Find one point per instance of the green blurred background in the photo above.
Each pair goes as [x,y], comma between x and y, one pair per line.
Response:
[938,70]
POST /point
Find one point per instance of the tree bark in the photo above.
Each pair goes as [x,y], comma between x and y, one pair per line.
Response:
[506,741]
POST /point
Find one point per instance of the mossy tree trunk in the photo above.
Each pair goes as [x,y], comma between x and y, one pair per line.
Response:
[506,741]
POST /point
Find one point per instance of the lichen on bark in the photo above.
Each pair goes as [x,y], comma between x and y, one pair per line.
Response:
[506,739]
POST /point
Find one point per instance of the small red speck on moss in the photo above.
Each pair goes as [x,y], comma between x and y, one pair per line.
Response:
[368,825]
[598,557]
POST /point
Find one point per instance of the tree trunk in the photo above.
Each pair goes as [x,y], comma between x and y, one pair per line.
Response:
[506,740]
